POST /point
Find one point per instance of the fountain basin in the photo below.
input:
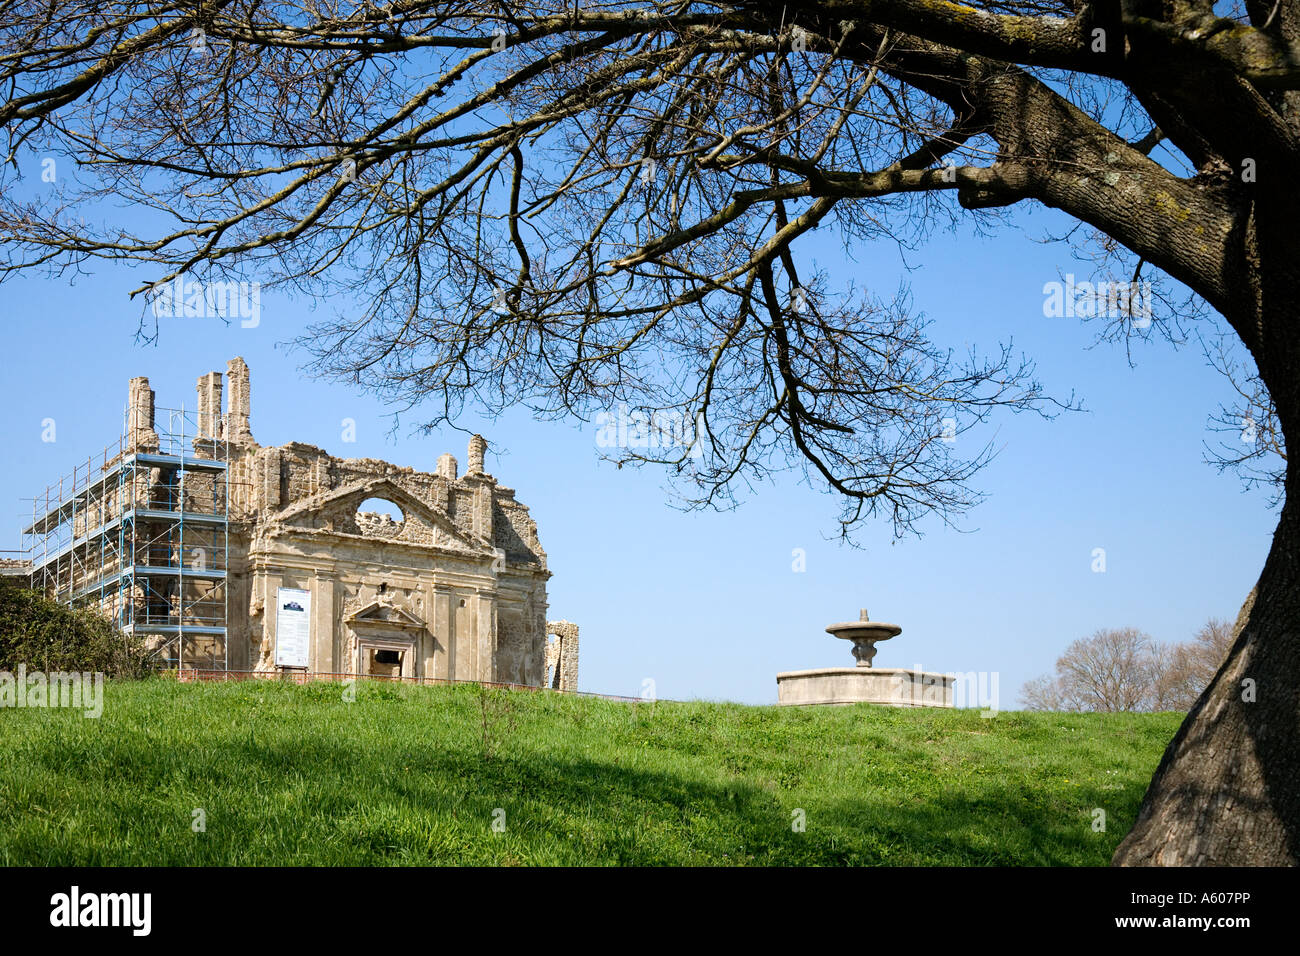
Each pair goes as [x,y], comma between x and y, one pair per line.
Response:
[890,686]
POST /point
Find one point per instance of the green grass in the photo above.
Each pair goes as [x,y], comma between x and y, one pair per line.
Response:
[295,775]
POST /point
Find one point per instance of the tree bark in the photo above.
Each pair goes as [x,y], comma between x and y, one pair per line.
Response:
[1227,792]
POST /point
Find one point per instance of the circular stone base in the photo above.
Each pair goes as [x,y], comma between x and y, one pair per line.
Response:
[890,686]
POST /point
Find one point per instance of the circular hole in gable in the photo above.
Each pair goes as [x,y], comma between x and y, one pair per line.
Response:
[379,516]
[381,506]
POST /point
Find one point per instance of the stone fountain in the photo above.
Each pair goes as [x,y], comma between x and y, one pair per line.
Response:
[864,683]
[864,633]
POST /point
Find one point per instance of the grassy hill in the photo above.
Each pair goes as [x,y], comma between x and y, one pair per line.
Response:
[288,774]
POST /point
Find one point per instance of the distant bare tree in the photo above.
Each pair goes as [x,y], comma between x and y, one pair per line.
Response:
[1209,649]
[1111,670]
[1125,669]
[1043,693]
[1177,680]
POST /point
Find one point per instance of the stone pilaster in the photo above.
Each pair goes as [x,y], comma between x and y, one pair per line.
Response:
[323,625]
[440,624]
[485,607]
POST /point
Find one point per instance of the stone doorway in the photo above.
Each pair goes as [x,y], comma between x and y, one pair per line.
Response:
[383,657]
[388,641]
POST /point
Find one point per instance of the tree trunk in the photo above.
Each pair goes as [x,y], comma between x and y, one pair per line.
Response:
[1227,792]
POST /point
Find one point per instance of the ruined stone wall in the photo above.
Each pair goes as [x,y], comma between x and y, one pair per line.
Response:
[271,479]
[562,655]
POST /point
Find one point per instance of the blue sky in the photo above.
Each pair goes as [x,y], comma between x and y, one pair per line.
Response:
[707,605]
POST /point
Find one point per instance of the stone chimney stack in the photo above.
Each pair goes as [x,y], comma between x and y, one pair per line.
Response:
[210,406]
[483,491]
[237,429]
[447,467]
[139,421]
[477,448]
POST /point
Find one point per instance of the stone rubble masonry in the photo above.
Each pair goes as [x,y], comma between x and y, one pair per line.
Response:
[209,414]
[477,448]
[562,655]
[18,568]
[237,427]
[140,415]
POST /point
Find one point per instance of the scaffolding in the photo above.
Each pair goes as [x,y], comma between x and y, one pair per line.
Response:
[140,534]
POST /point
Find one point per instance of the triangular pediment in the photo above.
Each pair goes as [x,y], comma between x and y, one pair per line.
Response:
[423,523]
[390,615]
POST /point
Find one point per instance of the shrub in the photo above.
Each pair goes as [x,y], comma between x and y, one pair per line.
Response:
[48,636]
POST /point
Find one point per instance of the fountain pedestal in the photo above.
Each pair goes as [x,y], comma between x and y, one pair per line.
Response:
[892,686]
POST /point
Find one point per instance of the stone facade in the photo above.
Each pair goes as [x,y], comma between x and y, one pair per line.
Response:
[455,589]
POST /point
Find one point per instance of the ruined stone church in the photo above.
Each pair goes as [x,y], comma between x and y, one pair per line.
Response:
[233,542]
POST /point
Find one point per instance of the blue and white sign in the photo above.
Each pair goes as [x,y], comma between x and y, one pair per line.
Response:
[292,627]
